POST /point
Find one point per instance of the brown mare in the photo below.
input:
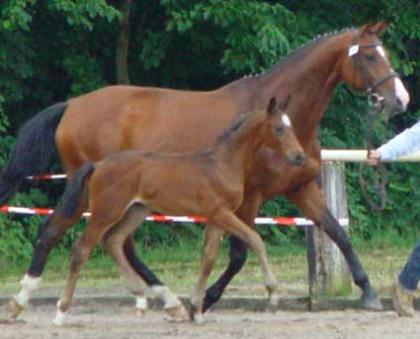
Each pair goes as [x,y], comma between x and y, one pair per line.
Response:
[95,125]
[209,182]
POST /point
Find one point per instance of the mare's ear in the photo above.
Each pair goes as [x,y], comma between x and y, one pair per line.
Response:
[271,108]
[374,28]
[284,103]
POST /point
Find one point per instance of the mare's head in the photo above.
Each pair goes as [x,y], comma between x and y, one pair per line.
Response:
[278,133]
[366,67]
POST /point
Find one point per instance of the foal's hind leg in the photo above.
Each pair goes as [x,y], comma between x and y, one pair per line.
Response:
[211,244]
[156,287]
[80,254]
[113,242]
[312,203]
[49,233]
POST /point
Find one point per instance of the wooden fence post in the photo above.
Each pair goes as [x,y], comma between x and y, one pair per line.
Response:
[328,271]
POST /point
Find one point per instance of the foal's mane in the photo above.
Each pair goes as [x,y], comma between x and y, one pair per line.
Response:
[238,124]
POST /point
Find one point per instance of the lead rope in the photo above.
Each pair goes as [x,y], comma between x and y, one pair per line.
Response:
[380,175]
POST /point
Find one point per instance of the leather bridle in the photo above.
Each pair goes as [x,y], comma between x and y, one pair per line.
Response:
[374,99]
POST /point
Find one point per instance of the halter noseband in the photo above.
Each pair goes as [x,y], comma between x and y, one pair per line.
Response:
[374,99]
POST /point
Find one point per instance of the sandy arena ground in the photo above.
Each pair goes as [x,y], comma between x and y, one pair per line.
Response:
[95,321]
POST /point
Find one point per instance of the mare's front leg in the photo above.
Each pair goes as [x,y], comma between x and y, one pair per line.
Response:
[237,251]
[49,233]
[310,200]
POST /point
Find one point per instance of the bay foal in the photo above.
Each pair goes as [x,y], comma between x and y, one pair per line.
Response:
[124,188]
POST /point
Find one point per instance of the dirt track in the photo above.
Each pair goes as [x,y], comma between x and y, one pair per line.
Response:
[95,321]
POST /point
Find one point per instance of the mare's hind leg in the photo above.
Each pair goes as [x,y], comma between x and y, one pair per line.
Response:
[49,233]
[113,242]
[312,204]
[211,244]
[237,251]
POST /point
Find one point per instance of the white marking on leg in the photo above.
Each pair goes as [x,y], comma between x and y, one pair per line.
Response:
[29,284]
[198,318]
[163,292]
[59,316]
[401,93]
[141,303]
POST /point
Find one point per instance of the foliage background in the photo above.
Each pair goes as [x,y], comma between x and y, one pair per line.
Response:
[51,50]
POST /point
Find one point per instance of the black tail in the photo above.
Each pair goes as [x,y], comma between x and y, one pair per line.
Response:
[32,151]
[74,189]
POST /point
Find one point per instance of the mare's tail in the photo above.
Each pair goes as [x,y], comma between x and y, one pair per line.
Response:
[72,196]
[32,151]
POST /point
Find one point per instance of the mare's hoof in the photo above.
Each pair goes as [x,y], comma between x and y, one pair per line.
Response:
[177,313]
[372,302]
[14,309]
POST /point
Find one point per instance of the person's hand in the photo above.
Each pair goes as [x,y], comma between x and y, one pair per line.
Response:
[373,157]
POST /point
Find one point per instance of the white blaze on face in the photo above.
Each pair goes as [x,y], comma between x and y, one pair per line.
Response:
[381,52]
[353,50]
[401,93]
[285,120]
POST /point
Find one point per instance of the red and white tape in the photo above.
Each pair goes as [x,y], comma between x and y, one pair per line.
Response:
[47,177]
[283,221]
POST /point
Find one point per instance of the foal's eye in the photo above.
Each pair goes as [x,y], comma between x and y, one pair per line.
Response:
[279,129]
[370,57]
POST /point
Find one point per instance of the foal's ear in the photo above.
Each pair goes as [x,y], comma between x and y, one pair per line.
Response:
[284,103]
[271,108]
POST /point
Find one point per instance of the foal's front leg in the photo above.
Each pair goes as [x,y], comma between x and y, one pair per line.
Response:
[228,221]
[237,251]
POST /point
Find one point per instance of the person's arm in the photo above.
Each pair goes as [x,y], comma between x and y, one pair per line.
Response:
[404,143]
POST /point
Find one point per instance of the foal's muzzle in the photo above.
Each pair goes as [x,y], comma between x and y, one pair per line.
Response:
[296,158]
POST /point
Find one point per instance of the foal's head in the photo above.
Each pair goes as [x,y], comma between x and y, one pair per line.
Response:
[277,133]
[366,67]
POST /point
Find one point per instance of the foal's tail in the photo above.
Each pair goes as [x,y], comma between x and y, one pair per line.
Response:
[72,196]
[32,151]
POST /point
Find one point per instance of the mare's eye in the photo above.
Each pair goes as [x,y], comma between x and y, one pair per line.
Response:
[370,57]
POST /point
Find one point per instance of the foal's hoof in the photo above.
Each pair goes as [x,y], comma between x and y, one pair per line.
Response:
[198,318]
[140,312]
[177,313]
[372,302]
[273,302]
[14,309]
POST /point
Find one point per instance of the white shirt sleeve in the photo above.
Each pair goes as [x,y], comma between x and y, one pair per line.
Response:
[404,143]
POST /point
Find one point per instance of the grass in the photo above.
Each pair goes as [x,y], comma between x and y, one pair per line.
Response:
[178,266]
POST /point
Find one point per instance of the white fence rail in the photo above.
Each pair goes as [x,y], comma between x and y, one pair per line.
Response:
[355,155]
